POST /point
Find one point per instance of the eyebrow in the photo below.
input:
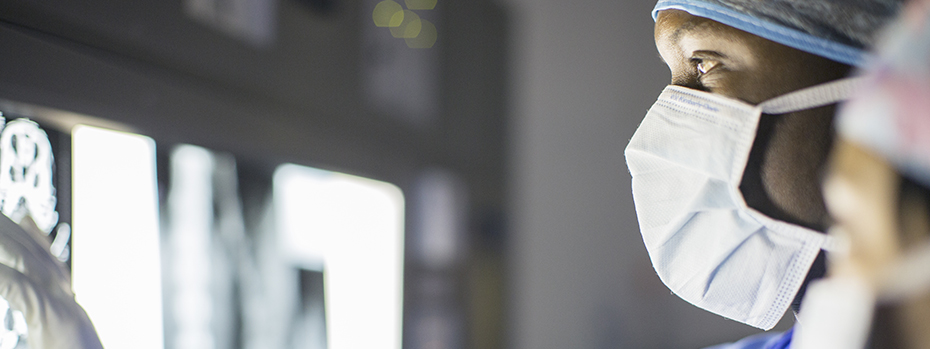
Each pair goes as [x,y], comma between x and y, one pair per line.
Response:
[676,35]
[707,54]
[683,29]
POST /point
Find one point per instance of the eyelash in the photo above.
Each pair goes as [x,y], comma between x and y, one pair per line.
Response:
[700,67]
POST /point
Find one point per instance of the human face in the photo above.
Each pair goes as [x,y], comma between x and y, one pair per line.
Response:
[883,219]
[782,177]
[861,192]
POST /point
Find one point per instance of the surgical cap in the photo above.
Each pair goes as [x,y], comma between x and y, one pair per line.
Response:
[890,115]
[840,30]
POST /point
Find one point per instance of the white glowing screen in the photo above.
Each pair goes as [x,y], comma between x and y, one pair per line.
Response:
[115,257]
[354,228]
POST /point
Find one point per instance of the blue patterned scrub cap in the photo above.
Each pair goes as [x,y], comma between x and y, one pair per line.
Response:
[890,114]
[840,30]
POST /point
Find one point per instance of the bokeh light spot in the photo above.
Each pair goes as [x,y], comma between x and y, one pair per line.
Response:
[426,38]
[388,14]
[409,28]
[420,4]
[397,19]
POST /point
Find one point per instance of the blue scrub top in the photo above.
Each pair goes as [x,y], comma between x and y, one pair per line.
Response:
[776,340]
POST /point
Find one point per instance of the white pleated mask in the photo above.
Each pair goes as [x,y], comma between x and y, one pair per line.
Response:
[687,160]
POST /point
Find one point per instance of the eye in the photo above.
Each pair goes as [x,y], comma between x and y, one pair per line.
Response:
[703,66]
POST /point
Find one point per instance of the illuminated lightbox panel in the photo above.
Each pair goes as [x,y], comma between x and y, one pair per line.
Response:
[348,227]
[355,227]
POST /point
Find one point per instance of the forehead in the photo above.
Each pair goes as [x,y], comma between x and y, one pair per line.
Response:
[675,27]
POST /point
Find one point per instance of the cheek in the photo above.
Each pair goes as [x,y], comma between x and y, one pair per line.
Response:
[738,84]
[793,163]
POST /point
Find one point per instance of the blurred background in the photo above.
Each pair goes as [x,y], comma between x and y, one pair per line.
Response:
[307,174]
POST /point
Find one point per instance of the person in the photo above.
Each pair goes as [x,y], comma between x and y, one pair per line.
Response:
[726,165]
[877,189]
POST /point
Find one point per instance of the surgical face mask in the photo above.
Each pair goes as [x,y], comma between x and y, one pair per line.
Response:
[687,160]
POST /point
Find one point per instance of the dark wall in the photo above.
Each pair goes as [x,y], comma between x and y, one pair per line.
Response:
[148,67]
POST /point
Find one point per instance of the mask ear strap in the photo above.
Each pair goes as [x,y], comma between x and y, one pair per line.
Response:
[811,97]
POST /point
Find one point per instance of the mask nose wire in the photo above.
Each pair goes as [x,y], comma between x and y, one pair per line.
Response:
[812,97]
